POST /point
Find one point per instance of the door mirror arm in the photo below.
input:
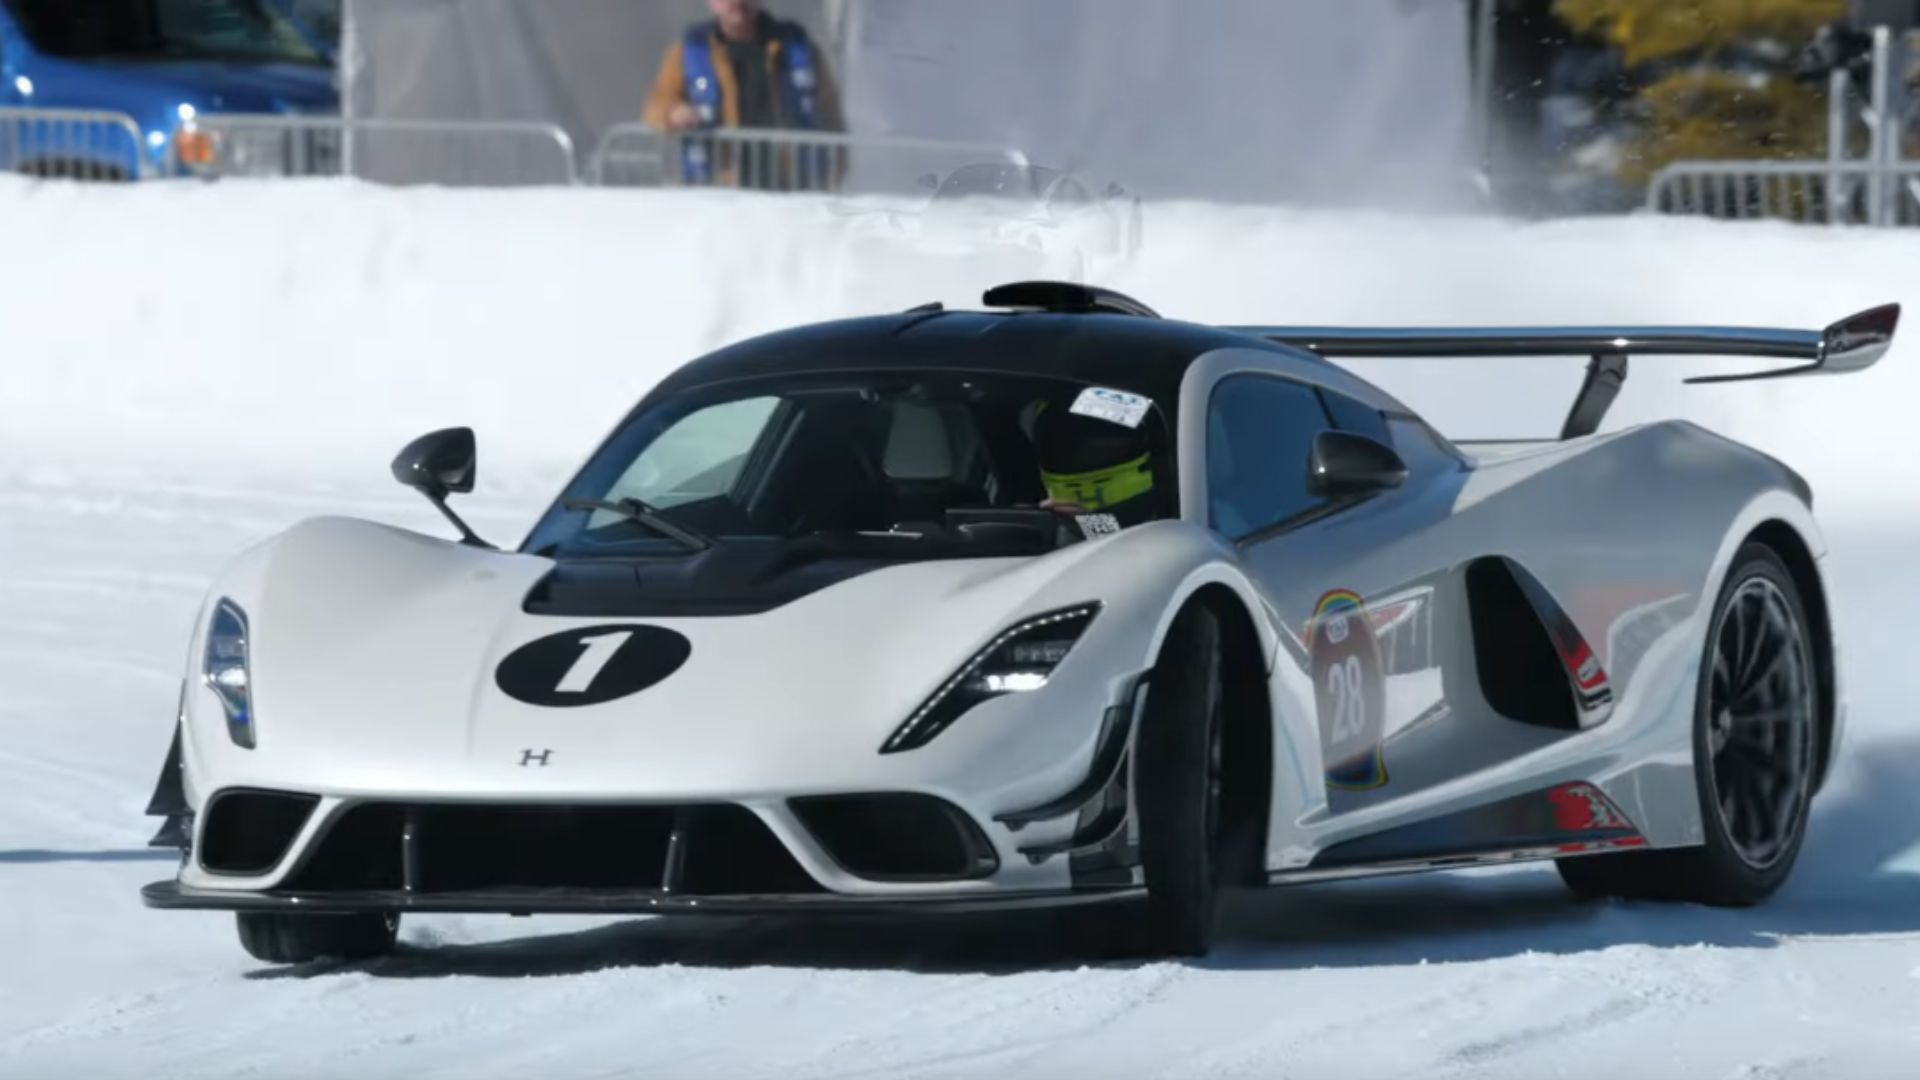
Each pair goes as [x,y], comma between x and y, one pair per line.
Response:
[438,464]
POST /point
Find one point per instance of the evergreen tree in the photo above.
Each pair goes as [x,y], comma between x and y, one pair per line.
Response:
[1714,76]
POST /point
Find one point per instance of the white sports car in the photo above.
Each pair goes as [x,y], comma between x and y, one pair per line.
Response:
[821,627]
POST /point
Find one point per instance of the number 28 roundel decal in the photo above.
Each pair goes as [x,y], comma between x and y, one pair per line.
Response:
[591,665]
[1348,691]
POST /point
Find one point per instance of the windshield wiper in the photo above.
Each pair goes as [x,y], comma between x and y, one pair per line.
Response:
[636,511]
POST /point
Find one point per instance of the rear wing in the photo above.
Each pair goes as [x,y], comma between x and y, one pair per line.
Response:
[1852,344]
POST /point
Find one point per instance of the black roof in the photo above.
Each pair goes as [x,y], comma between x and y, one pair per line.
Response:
[1143,355]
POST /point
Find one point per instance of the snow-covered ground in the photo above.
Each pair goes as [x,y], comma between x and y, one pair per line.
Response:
[186,369]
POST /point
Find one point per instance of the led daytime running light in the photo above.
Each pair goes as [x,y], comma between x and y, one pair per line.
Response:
[920,729]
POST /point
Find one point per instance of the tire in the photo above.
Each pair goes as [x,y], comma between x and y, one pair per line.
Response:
[1736,866]
[1177,782]
[298,939]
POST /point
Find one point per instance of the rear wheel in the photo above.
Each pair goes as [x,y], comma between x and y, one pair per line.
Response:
[296,939]
[1755,726]
[1178,770]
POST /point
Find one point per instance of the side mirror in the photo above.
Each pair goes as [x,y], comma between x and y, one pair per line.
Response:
[438,464]
[1344,464]
[929,181]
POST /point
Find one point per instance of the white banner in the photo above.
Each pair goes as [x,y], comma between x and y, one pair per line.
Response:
[1302,100]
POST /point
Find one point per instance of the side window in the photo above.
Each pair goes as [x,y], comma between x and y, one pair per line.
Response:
[1068,195]
[1260,432]
[1420,448]
[1351,415]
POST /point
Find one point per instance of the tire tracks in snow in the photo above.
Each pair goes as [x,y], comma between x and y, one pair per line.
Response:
[1475,1057]
[1608,990]
[990,1019]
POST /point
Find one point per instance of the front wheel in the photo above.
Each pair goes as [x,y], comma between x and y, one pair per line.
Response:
[1756,724]
[278,938]
[1178,782]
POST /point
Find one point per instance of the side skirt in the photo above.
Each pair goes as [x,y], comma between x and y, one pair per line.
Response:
[1309,875]
[1565,820]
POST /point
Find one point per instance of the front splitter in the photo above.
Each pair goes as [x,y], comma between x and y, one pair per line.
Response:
[523,901]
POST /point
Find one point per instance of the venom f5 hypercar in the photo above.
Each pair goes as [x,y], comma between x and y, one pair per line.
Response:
[807,632]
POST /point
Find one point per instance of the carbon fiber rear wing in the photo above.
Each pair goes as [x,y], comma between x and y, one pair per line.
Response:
[1852,344]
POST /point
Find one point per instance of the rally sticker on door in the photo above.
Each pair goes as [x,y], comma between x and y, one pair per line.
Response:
[1348,691]
[591,666]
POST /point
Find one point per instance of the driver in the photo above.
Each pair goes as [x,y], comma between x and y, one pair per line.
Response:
[1096,471]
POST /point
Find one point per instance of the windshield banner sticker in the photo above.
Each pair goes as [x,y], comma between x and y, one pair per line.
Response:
[1113,406]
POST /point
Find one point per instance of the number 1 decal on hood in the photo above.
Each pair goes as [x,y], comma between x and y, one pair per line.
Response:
[591,665]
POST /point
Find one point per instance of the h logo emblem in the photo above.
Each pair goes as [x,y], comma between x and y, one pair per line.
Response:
[533,757]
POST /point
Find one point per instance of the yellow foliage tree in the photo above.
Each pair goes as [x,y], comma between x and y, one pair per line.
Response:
[1704,111]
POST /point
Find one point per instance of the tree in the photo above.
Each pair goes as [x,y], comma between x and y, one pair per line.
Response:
[1714,75]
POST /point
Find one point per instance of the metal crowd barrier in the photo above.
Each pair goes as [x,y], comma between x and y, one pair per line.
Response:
[110,146]
[634,155]
[79,144]
[455,153]
[1814,192]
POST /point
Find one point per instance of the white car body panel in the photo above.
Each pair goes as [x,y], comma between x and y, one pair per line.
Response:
[374,653]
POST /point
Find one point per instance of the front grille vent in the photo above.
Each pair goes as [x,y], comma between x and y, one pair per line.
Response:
[705,850]
[248,832]
[898,837]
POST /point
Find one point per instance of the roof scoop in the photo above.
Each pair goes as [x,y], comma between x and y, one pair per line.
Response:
[1065,297]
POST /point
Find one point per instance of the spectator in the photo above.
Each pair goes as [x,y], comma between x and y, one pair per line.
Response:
[745,69]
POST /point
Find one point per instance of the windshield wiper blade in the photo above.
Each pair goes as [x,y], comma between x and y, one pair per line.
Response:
[634,510]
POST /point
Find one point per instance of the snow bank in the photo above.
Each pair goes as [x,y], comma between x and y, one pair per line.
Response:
[296,334]
[323,324]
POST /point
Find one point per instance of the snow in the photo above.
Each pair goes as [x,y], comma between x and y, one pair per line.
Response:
[189,368]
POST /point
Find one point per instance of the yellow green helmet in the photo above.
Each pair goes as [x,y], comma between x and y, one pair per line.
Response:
[1093,464]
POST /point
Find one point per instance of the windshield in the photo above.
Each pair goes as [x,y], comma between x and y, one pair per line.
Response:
[997,181]
[246,30]
[932,465]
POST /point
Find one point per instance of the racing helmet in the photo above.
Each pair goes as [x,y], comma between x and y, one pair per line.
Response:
[1091,463]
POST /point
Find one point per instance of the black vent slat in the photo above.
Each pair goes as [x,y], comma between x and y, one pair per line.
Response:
[898,837]
[360,849]
[463,848]
[590,847]
[247,832]
[730,852]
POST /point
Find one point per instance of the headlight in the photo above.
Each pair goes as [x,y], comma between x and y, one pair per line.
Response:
[1018,661]
[225,670]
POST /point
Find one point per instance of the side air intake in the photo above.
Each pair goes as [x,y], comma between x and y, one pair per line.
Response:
[248,832]
[1534,667]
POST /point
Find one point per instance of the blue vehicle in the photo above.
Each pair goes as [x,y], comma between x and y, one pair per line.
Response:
[159,62]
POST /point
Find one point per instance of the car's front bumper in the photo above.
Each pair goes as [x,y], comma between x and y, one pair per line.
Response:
[173,895]
[877,847]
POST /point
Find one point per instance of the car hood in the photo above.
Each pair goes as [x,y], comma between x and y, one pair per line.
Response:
[377,657]
[150,89]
